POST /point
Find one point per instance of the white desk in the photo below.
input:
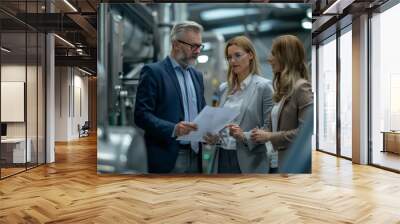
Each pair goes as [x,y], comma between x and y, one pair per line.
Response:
[18,150]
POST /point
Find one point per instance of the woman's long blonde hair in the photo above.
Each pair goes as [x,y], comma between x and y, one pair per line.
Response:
[246,44]
[289,51]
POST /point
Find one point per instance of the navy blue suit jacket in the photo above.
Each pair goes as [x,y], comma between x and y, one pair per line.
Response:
[159,108]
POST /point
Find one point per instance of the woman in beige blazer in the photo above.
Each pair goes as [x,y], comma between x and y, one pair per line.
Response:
[250,94]
[293,97]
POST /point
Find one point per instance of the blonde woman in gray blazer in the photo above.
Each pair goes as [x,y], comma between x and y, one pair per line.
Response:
[293,97]
[250,94]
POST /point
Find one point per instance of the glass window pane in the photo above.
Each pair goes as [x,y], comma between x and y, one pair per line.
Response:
[31,97]
[14,147]
[327,96]
[385,89]
[41,99]
[314,85]
[346,94]
[23,86]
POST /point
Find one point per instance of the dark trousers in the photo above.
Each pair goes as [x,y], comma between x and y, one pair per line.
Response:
[228,161]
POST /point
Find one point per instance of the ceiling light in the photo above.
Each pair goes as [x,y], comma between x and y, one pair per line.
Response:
[265,26]
[278,5]
[65,41]
[306,24]
[229,30]
[338,6]
[202,59]
[5,50]
[216,14]
[84,71]
[207,46]
[250,27]
[70,5]
[309,13]
[331,7]
[293,5]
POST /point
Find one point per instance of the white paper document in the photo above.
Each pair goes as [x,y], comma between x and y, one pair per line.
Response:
[212,120]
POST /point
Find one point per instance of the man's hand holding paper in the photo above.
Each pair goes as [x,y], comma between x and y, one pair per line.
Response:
[184,128]
[210,120]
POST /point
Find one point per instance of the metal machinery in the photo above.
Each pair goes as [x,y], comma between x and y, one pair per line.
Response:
[214,72]
[126,42]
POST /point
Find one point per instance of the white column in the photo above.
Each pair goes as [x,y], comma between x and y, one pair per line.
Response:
[50,99]
[360,90]
[50,92]
[63,102]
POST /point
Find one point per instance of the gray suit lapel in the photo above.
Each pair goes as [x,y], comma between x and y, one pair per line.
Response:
[246,100]
[224,95]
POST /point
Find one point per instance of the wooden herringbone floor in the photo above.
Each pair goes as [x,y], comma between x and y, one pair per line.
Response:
[70,191]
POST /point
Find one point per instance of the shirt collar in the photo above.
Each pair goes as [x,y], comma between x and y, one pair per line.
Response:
[246,82]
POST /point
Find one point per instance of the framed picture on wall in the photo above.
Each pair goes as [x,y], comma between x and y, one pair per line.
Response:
[12,101]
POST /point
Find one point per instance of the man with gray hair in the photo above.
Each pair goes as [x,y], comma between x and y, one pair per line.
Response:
[169,96]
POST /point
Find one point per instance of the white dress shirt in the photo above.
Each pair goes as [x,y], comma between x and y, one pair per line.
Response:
[234,101]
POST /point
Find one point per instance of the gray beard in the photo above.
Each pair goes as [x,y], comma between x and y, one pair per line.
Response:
[186,63]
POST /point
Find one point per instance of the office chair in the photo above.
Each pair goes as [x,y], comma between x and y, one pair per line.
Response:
[84,130]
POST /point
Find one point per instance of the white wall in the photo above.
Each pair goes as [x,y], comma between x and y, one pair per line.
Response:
[13,73]
[71,93]
[61,103]
[81,82]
